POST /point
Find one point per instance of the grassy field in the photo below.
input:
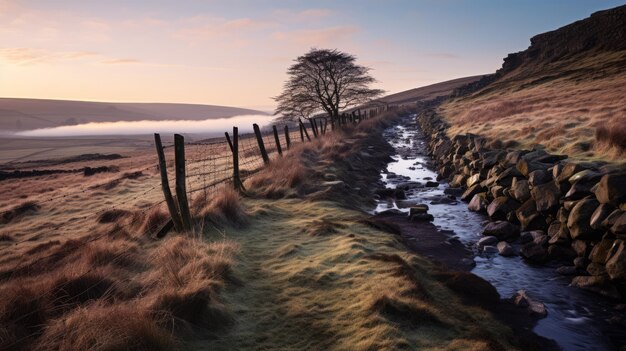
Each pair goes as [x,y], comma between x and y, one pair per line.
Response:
[293,265]
[572,106]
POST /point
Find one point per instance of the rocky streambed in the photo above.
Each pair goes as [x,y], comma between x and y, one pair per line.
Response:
[537,252]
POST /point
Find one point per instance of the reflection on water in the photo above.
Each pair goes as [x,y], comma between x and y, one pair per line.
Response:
[209,127]
[576,319]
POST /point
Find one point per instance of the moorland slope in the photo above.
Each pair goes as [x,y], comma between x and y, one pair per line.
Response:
[565,92]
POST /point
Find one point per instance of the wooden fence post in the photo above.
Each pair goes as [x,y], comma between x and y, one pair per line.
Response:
[259,139]
[303,127]
[171,205]
[277,139]
[181,187]
[301,132]
[237,183]
[230,143]
[312,123]
[287,137]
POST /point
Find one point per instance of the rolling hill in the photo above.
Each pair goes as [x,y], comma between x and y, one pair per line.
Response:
[24,114]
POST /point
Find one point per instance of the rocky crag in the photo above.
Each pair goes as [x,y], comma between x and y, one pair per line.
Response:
[558,210]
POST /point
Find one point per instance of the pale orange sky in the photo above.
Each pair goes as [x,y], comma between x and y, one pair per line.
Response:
[236,52]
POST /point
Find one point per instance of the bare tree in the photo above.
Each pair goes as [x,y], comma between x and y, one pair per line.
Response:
[324,81]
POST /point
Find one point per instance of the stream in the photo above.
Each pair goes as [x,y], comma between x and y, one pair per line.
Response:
[577,319]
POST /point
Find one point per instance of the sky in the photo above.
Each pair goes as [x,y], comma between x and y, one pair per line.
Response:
[236,52]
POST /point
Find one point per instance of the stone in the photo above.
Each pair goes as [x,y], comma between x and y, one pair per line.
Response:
[579,190]
[471,191]
[595,269]
[431,184]
[600,251]
[567,270]
[616,263]
[479,203]
[534,252]
[526,237]
[421,217]
[600,214]
[612,189]
[580,247]
[579,220]
[525,166]
[419,208]
[488,249]
[487,241]
[453,191]
[546,196]
[497,191]
[528,216]
[585,176]
[458,180]
[596,283]
[539,177]
[520,190]
[568,171]
[612,218]
[561,253]
[580,262]
[473,179]
[500,207]
[506,177]
[502,230]
[534,307]
[505,249]
[619,226]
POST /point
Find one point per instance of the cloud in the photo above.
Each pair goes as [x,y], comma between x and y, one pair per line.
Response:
[442,55]
[121,61]
[29,56]
[317,37]
[307,15]
[26,56]
[202,28]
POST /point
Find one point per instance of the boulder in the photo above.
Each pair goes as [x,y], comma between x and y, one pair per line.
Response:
[546,196]
[526,237]
[580,247]
[528,216]
[579,220]
[431,184]
[471,191]
[567,270]
[534,307]
[500,207]
[568,171]
[619,226]
[453,191]
[612,189]
[473,179]
[611,219]
[421,217]
[419,208]
[579,190]
[596,269]
[600,214]
[580,262]
[534,252]
[525,166]
[505,249]
[497,191]
[616,263]
[561,253]
[458,180]
[601,251]
[502,230]
[487,241]
[585,176]
[520,190]
[597,283]
[506,177]
[479,203]
[539,177]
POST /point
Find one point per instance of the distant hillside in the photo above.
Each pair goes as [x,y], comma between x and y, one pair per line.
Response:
[429,92]
[565,92]
[25,114]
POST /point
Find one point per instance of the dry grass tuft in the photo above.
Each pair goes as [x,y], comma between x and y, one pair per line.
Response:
[224,208]
[19,211]
[612,136]
[112,216]
[106,327]
[407,311]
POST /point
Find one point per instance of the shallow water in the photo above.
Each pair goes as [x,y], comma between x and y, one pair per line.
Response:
[209,127]
[576,318]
